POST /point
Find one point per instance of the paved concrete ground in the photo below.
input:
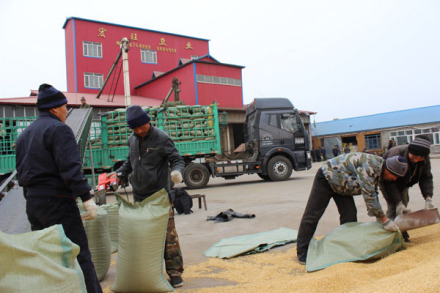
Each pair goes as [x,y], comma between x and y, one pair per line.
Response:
[275,204]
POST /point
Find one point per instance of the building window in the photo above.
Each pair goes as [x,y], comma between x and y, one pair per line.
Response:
[91,49]
[218,80]
[373,141]
[148,56]
[407,136]
[93,80]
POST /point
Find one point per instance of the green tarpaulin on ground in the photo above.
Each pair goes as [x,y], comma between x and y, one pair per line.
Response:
[253,243]
[352,242]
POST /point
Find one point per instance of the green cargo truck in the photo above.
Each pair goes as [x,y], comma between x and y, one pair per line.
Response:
[276,142]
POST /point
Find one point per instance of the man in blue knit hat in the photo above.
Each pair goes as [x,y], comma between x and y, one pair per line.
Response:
[152,153]
[49,167]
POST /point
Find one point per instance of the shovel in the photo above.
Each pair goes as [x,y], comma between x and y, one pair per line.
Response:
[417,219]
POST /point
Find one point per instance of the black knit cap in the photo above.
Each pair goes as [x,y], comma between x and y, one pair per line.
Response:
[136,117]
[49,97]
[420,146]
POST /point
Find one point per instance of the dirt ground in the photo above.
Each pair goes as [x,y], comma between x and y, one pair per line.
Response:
[275,204]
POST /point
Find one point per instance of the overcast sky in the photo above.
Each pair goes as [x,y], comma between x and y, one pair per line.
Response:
[338,58]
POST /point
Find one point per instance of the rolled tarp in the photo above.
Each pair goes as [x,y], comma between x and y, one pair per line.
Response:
[251,243]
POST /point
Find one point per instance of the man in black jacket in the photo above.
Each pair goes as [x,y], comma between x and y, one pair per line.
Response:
[151,154]
[419,171]
[49,167]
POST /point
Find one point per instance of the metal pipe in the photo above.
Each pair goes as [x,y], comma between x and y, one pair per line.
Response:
[109,74]
[124,49]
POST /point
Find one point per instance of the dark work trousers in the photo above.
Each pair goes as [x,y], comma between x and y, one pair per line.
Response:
[319,199]
[172,253]
[44,212]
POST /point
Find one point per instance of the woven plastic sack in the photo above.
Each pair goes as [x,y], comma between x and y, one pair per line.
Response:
[352,242]
[39,261]
[112,210]
[100,247]
[142,232]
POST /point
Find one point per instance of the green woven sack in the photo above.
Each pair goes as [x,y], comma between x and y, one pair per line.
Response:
[141,244]
[112,210]
[39,261]
[352,242]
[100,247]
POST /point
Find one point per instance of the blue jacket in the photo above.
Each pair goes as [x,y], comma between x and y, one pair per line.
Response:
[48,160]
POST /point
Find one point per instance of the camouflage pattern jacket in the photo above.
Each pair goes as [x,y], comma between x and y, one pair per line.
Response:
[355,174]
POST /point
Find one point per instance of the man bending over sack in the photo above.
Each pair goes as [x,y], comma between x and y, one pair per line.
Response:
[341,178]
[419,171]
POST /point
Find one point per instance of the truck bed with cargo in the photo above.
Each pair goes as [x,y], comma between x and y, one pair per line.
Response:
[276,142]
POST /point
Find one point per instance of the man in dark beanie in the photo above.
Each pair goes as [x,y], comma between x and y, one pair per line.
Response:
[340,179]
[49,167]
[157,153]
[419,171]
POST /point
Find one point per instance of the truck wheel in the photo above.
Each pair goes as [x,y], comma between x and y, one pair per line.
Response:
[264,177]
[279,168]
[195,176]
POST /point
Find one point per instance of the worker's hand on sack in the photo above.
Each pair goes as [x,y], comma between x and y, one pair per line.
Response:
[401,209]
[390,226]
[122,179]
[176,176]
[91,210]
[429,204]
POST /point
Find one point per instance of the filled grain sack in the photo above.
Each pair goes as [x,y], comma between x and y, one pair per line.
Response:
[100,247]
[352,242]
[141,244]
[112,210]
[39,261]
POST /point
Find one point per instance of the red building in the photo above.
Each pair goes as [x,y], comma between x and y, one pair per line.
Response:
[154,58]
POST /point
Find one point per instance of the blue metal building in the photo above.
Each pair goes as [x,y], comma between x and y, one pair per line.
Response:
[372,133]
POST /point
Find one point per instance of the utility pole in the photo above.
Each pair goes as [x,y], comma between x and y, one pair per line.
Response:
[124,50]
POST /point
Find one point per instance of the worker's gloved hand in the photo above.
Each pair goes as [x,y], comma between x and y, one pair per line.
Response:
[401,209]
[429,204]
[122,179]
[390,226]
[176,176]
[91,210]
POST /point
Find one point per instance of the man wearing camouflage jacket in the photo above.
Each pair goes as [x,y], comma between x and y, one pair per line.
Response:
[341,178]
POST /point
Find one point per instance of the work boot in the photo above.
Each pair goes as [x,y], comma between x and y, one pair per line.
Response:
[176,281]
[406,237]
[302,259]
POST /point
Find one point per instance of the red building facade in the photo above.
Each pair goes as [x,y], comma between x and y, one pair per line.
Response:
[154,59]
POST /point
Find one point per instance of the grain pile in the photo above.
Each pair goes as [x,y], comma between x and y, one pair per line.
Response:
[416,269]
